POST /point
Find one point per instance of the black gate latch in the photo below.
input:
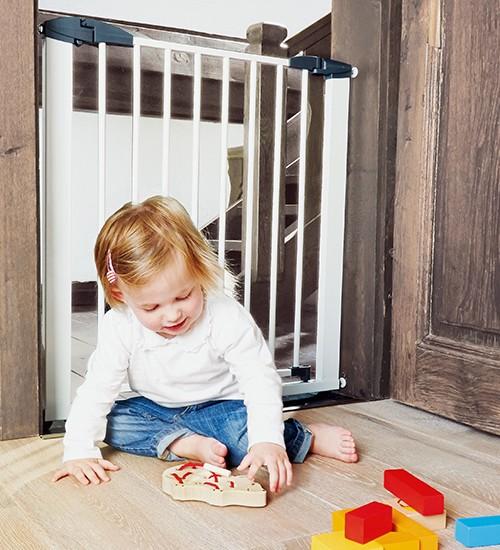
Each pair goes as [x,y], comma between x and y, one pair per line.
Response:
[329,68]
[81,30]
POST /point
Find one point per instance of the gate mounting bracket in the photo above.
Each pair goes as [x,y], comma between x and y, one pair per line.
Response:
[81,30]
[302,371]
[329,68]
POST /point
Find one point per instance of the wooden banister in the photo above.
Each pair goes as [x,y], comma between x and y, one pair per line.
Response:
[264,39]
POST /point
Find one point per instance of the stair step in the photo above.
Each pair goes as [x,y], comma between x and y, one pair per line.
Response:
[231,245]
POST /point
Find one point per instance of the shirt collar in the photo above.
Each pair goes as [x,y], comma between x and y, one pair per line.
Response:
[190,341]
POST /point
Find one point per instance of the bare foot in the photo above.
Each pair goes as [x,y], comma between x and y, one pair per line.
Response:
[333,441]
[199,447]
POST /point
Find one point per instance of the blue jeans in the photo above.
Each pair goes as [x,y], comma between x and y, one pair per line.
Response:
[141,426]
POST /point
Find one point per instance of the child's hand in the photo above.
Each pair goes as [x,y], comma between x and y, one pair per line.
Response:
[275,458]
[86,470]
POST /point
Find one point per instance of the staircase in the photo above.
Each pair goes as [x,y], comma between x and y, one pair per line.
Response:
[315,40]
[234,230]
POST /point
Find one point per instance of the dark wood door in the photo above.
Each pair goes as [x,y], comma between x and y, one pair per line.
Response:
[446,292]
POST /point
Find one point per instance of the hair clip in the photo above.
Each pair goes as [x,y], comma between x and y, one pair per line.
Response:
[111,274]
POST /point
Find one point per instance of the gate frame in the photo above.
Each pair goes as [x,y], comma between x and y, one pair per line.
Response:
[78,30]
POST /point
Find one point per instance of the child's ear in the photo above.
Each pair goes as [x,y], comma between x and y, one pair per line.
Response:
[117,294]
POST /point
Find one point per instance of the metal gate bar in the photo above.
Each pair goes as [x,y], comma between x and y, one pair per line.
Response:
[275,211]
[250,183]
[167,98]
[223,160]
[304,105]
[58,132]
[101,109]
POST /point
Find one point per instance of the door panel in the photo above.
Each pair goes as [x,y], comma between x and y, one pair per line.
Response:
[446,314]
[466,283]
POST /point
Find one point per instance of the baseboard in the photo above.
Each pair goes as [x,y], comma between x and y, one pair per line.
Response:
[84,294]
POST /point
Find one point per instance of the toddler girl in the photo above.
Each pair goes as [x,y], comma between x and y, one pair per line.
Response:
[208,388]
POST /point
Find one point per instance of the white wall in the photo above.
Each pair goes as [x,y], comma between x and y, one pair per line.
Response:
[84,224]
[224,17]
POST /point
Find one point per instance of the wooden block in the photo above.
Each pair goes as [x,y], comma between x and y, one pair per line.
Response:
[368,522]
[337,541]
[191,481]
[478,531]
[402,523]
[338,519]
[416,493]
[434,523]
[398,541]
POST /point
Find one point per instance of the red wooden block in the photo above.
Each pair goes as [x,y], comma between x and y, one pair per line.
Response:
[414,492]
[368,522]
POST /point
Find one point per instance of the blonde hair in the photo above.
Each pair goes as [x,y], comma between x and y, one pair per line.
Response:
[142,239]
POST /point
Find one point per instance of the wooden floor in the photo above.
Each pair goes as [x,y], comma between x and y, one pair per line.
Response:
[132,512]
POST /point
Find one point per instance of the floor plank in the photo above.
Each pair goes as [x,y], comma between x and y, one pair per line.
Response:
[132,511]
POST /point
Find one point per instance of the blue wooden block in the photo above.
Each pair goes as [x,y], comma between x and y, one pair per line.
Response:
[478,531]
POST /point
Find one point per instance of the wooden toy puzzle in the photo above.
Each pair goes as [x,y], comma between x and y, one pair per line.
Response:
[193,481]
[217,469]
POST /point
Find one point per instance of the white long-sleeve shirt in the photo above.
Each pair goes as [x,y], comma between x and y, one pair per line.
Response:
[223,356]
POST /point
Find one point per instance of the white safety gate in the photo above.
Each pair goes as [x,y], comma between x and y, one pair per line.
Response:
[60,37]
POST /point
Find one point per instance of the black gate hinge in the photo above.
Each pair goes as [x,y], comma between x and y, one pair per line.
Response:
[81,30]
[329,68]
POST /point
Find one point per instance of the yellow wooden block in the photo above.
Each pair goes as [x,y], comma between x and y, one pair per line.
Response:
[402,523]
[338,519]
[433,523]
[337,541]
[398,541]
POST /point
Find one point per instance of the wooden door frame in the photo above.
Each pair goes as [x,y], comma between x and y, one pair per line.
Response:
[367,34]
[19,239]
[414,196]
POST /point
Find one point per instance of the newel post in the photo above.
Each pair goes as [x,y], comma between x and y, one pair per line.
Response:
[264,39]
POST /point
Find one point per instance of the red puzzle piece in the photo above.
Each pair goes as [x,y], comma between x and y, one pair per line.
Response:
[414,492]
[368,522]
